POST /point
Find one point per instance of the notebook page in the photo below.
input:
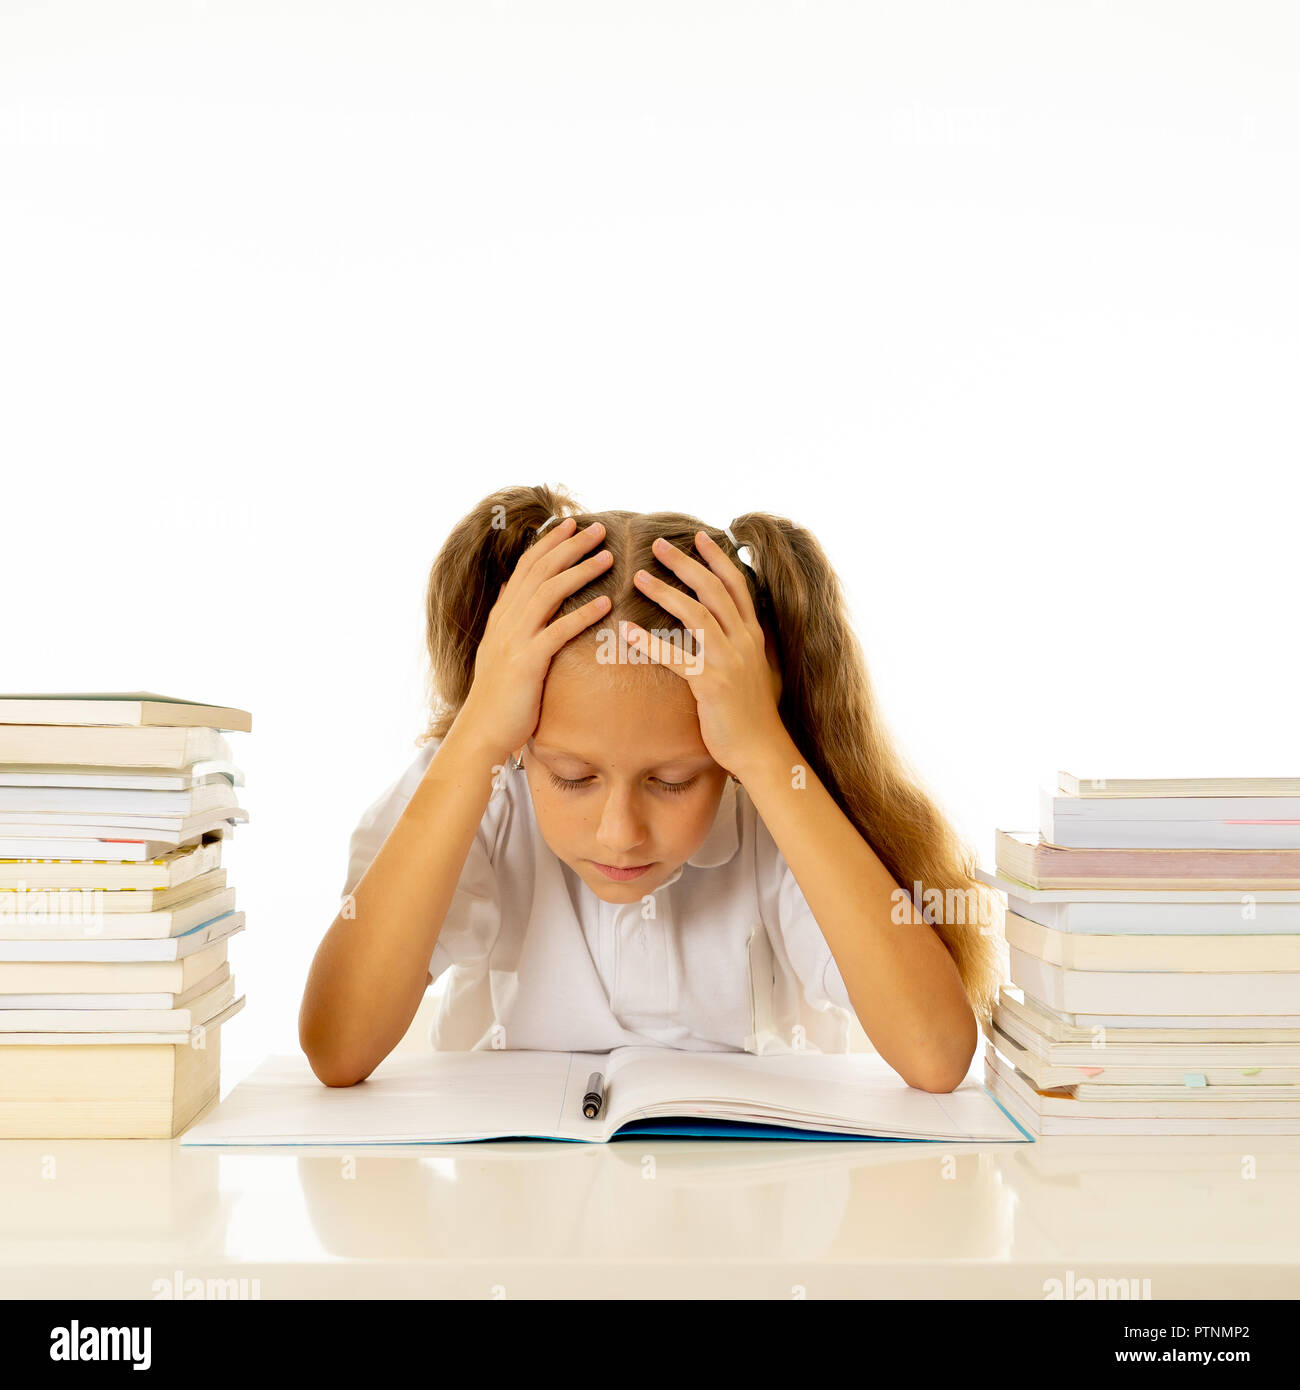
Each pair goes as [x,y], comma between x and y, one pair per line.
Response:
[572,1123]
[856,1092]
[409,1098]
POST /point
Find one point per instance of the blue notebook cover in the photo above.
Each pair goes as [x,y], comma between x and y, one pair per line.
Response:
[738,1129]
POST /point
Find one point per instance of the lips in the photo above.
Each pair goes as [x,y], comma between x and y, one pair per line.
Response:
[618,875]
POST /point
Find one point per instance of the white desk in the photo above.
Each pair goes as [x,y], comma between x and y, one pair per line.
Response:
[663,1218]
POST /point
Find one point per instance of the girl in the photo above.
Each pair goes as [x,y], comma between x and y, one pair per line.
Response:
[657,806]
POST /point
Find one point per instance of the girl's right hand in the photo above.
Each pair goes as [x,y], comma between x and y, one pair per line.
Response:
[519,640]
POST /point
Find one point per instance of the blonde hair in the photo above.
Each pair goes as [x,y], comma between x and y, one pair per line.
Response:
[827,702]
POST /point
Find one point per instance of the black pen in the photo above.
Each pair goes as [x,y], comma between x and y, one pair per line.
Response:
[595,1096]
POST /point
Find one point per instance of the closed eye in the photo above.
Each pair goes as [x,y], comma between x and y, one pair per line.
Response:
[573,784]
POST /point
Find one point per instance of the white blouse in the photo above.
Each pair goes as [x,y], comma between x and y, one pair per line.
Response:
[725,955]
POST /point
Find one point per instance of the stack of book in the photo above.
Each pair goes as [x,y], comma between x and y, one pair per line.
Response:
[115,915]
[1153,932]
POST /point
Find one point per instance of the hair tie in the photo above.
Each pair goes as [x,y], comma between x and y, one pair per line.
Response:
[742,551]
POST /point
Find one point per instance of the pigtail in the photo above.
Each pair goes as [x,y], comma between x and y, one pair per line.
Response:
[828,706]
[477,558]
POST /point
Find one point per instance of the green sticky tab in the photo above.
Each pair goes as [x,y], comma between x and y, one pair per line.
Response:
[1251,1071]
[1193,1078]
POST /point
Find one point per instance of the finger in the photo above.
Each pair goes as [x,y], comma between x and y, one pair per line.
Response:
[729,573]
[690,610]
[663,653]
[565,550]
[552,592]
[556,535]
[714,593]
[565,629]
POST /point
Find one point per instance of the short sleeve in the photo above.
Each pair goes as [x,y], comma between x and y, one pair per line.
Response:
[474,913]
[785,907]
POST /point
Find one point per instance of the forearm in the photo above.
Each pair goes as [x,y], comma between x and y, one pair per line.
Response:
[903,984]
[371,969]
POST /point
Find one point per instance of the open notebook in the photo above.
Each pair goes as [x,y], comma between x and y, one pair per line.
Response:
[452,1097]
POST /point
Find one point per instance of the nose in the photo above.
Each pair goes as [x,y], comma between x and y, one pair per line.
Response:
[622,823]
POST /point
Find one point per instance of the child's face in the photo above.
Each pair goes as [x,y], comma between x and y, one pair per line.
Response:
[626,736]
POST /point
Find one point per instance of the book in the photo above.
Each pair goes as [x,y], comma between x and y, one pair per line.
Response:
[64,1089]
[1236,823]
[112,839]
[1235,952]
[1115,1047]
[1101,810]
[1050,1114]
[1167,1024]
[115,915]
[70,914]
[154,1037]
[1192,1088]
[198,1011]
[1023,855]
[1151,912]
[169,870]
[106,976]
[1103,787]
[210,793]
[95,948]
[456,1097]
[98,746]
[1186,1069]
[134,708]
[1152,993]
[195,994]
[1065,1028]
[126,778]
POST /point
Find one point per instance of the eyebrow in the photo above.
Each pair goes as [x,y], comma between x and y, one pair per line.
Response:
[545,749]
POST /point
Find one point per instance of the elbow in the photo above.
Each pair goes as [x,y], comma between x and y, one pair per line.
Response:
[940,1074]
[938,1081]
[331,1065]
[333,1074]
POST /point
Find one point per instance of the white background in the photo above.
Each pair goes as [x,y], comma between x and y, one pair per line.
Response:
[1001,300]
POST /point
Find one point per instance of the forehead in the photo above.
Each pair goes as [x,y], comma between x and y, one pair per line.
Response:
[628,714]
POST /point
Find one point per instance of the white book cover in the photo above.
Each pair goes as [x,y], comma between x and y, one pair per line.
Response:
[1127,993]
[1234,953]
[216,988]
[1059,827]
[102,746]
[109,1020]
[133,708]
[120,778]
[1140,897]
[1104,1030]
[1243,917]
[87,916]
[95,949]
[111,805]
[169,1037]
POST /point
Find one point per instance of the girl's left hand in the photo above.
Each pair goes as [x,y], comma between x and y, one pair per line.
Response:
[733,675]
